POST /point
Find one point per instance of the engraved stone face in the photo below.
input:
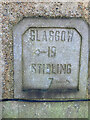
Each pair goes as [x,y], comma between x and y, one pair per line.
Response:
[51,58]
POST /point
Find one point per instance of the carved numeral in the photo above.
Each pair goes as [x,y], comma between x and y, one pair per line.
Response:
[52,51]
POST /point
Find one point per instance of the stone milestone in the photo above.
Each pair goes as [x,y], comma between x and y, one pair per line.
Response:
[50,54]
[51,58]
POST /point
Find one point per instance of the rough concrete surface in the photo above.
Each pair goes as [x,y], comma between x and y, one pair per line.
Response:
[0,57]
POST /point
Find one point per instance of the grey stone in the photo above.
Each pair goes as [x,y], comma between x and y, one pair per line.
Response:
[10,109]
[45,110]
[50,54]
[47,58]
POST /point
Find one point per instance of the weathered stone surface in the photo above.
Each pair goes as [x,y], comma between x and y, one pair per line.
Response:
[67,64]
[50,58]
[10,109]
[45,110]
[14,12]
